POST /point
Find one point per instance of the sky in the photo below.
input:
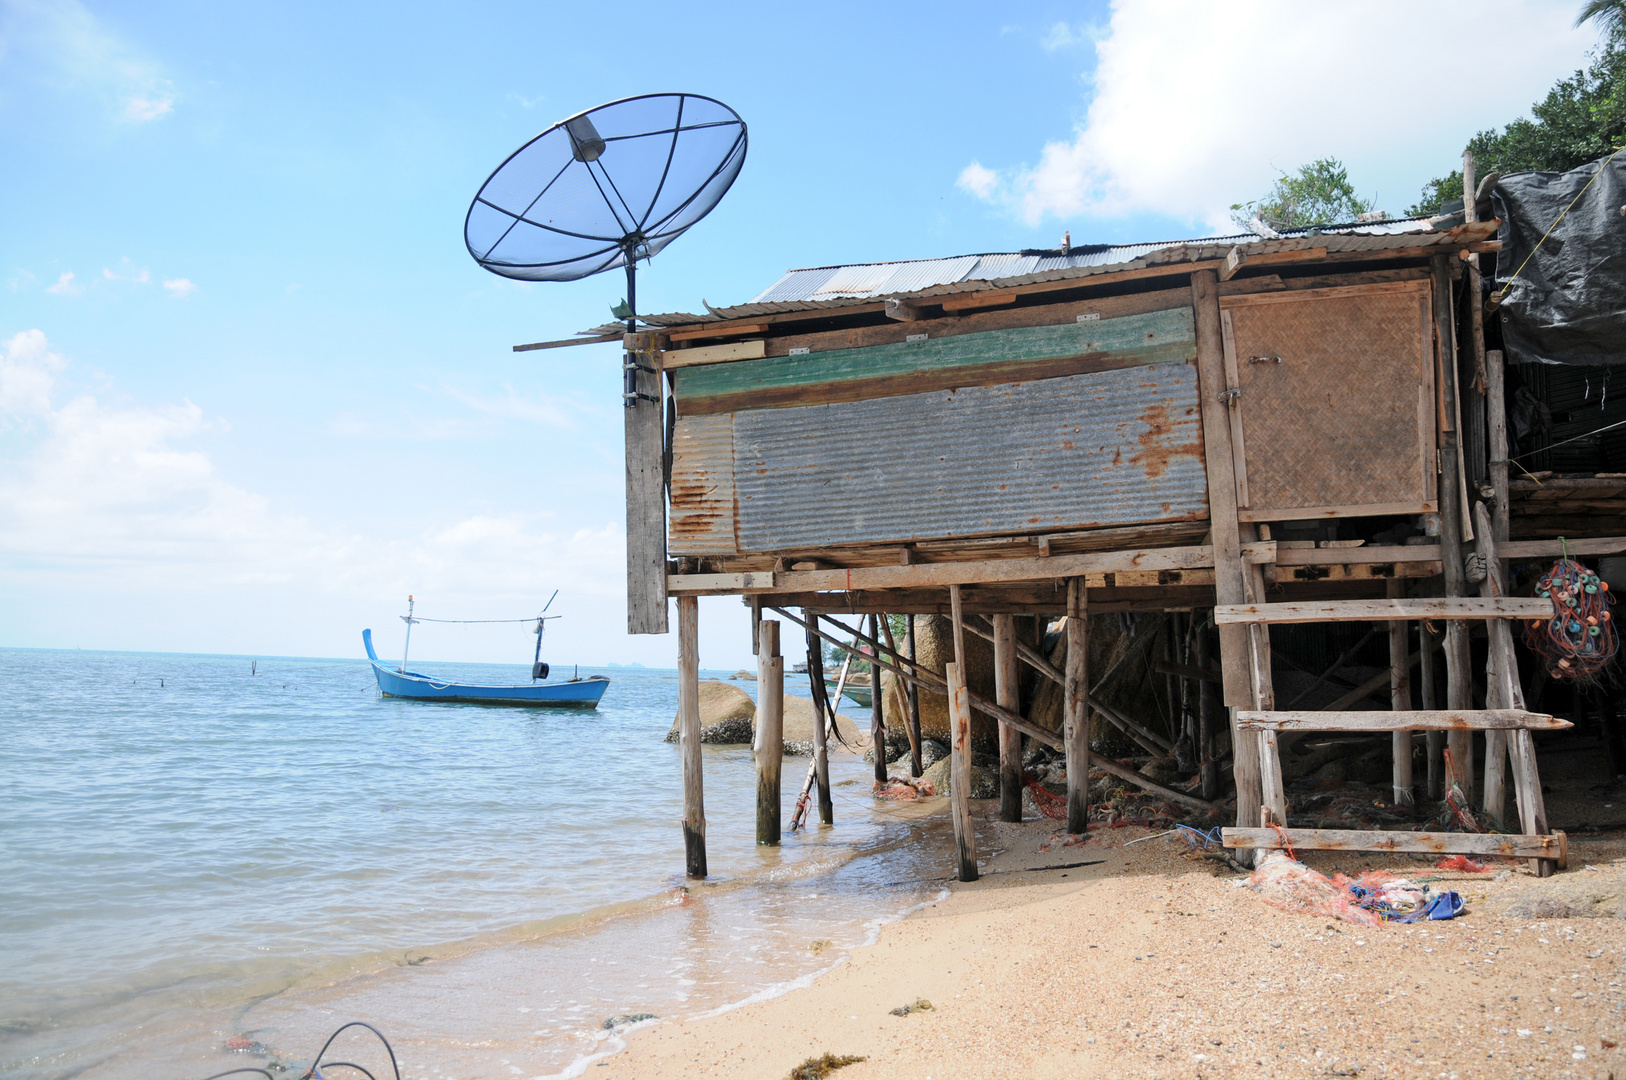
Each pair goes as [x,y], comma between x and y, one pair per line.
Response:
[254,391]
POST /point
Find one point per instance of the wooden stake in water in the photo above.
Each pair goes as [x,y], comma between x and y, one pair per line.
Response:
[769,744]
[694,803]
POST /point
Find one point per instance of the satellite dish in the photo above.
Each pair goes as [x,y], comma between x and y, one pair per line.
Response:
[605,188]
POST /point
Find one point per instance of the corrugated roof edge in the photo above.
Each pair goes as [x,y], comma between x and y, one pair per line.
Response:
[1376,236]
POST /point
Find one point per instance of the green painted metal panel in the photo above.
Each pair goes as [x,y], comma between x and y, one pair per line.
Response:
[1154,337]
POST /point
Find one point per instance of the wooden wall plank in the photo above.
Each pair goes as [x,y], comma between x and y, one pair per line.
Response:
[997,356]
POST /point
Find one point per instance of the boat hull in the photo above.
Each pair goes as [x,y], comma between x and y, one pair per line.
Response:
[414,686]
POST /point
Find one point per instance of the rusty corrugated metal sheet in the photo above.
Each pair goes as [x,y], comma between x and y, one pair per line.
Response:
[1105,448]
[702,518]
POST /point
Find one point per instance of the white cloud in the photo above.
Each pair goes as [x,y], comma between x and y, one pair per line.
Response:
[127,272]
[65,37]
[1200,105]
[180,288]
[1064,35]
[64,285]
[140,109]
[122,495]
[979,181]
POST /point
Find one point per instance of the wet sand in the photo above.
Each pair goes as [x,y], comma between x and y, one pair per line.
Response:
[1155,963]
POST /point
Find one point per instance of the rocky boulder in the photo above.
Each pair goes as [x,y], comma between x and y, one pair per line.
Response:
[726,715]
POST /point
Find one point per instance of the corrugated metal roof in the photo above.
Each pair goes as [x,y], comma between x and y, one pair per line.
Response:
[821,287]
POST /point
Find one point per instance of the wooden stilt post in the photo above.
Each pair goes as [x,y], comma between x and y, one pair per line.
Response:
[877,715]
[769,745]
[959,703]
[694,803]
[1496,423]
[1209,767]
[1400,699]
[1007,695]
[965,837]
[912,692]
[1222,516]
[821,739]
[1075,708]
[1272,792]
[1458,670]
[1435,740]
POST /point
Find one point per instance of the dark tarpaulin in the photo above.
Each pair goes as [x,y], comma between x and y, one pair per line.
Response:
[1568,305]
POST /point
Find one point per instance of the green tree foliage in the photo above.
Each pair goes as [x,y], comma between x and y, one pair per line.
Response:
[1318,194]
[1582,119]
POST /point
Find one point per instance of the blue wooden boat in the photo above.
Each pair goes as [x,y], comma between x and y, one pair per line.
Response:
[574,693]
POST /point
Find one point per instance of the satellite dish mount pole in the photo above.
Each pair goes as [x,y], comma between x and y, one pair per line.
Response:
[630,365]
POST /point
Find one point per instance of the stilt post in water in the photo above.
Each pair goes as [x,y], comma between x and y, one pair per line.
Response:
[916,765]
[694,803]
[769,743]
[877,714]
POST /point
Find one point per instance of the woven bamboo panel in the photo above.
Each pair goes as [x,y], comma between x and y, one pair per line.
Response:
[1344,423]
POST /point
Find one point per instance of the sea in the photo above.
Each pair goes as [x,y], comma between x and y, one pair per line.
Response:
[211,863]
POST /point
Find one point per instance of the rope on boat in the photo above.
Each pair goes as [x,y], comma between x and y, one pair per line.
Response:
[533,618]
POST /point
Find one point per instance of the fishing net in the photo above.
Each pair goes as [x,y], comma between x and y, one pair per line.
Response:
[1579,639]
[1373,898]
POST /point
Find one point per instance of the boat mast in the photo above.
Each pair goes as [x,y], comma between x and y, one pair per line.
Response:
[409,620]
[537,659]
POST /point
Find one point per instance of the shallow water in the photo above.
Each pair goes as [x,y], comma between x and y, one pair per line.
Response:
[191,852]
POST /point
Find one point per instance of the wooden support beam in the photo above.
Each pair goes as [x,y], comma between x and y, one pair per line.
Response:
[1414,607]
[877,708]
[1502,688]
[965,834]
[932,682]
[1149,740]
[592,339]
[768,745]
[1206,713]
[1194,672]
[905,691]
[821,738]
[1008,694]
[694,803]
[902,310]
[1434,742]
[974,301]
[1400,701]
[733,329]
[1499,719]
[1239,256]
[1222,506]
[1272,791]
[646,490]
[1075,710]
[1458,673]
[1554,846]
[912,696]
[713,354]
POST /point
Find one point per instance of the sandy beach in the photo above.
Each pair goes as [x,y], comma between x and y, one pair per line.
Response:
[1156,962]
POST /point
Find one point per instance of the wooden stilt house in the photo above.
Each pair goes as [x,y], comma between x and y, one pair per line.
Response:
[1165,427]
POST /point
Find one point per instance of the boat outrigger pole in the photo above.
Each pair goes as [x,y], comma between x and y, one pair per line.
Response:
[409,620]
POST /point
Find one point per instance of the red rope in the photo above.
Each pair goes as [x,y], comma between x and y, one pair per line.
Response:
[1282,833]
